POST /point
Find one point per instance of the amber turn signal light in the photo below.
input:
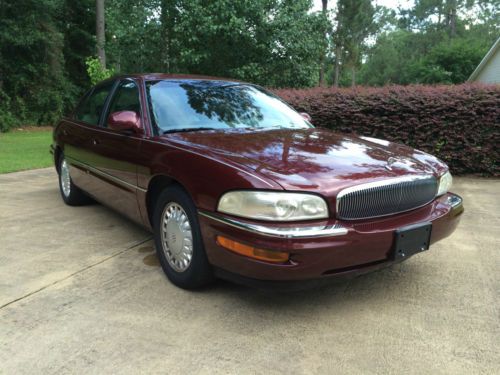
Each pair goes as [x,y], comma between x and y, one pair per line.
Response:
[252,252]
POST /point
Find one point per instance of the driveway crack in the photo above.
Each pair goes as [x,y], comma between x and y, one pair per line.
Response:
[135,244]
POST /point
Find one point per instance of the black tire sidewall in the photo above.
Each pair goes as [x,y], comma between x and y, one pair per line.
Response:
[199,272]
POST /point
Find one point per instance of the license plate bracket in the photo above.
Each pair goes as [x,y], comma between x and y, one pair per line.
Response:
[411,240]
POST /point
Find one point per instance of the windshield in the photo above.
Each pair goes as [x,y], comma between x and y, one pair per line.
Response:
[203,105]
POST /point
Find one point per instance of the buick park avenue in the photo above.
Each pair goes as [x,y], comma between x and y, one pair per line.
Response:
[234,183]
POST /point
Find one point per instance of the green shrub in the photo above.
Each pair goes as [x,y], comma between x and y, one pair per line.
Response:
[96,72]
[7,120]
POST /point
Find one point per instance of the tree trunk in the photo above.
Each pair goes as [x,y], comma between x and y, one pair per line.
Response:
[453,21]
[53,49]
[325,41]
[167,19]
[322,70]
[321,82]
[100,28]
[451,17]
[353,76]
[336,73]
[440,12]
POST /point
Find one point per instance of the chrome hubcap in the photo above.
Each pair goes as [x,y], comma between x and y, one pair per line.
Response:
[65,179]
[176,237]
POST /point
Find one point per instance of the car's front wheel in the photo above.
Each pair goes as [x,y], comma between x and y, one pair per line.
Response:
[178,240]
[71,194]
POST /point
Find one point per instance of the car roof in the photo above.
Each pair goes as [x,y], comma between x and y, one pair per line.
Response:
[176,77]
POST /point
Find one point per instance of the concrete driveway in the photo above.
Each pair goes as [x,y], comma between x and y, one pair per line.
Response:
[81,292]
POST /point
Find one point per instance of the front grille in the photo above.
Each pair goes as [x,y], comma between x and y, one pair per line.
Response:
[386,197]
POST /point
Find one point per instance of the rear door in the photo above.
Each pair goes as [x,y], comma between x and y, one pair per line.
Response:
[78,135]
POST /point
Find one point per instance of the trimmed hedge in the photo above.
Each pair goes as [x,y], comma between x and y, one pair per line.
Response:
[459,124]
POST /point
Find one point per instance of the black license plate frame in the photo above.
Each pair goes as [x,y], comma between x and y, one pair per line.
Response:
[411,239]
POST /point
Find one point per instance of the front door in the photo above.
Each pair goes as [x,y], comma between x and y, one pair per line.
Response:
[116,154]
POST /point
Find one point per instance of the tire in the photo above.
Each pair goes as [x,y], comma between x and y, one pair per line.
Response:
[178,240]
[71,194]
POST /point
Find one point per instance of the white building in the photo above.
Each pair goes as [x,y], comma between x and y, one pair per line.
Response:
[488,70]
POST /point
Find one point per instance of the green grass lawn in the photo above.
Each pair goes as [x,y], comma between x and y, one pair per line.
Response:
[20,150]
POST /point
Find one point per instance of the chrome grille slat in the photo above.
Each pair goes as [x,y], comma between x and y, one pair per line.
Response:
[387,197]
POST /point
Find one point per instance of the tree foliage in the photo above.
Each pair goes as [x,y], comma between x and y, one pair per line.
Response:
[95,70]
[429,47]
[271,42]
[354,24]
[32,61]
[45,45]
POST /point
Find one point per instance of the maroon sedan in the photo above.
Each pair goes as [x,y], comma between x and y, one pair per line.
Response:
[235,183]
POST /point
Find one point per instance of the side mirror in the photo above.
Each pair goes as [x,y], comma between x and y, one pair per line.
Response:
[125,121]
[306,116]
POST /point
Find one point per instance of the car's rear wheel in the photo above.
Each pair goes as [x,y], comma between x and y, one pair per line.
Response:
[178,240]
[71,194]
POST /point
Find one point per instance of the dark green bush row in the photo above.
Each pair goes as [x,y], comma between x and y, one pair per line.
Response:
[459,124]
[37,107]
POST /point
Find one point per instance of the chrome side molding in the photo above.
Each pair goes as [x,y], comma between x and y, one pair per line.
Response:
[105,175]
[280,232]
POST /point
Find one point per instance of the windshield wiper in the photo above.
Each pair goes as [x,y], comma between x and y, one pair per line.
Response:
[185,130]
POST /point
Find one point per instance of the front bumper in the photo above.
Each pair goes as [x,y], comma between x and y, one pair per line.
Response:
[321,250]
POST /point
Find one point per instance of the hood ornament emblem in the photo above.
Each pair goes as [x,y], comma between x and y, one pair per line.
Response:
[401,162]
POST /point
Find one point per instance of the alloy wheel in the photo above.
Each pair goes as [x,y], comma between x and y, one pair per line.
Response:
[65,178]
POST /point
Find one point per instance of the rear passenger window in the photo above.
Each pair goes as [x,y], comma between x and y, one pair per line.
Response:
[91,108]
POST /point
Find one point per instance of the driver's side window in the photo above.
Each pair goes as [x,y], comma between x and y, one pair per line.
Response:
[126,98]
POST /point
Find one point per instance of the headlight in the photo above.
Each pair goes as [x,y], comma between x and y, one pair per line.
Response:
[265,205]
[445,182]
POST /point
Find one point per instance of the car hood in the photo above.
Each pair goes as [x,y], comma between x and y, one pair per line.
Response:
[313,159]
